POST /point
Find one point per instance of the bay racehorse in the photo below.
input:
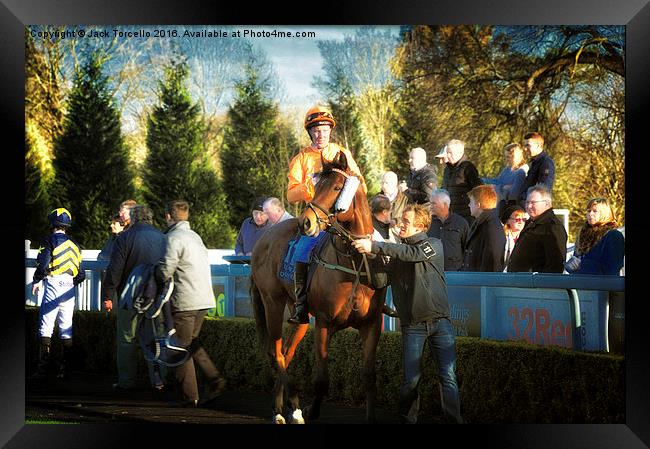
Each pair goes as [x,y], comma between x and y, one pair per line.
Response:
[339,294]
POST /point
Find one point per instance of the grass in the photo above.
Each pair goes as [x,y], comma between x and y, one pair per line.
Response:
[48,421]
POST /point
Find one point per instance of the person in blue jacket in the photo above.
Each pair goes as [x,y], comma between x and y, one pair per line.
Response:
[599,247]
[252,228]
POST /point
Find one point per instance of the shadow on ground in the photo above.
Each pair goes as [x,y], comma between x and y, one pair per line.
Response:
[90,398]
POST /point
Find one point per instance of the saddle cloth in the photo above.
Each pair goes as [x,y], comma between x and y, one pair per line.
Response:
[299,249]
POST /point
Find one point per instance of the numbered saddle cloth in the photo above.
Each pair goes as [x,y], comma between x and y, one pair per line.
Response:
[298,250]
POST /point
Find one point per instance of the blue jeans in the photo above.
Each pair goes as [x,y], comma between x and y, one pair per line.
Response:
[440,335]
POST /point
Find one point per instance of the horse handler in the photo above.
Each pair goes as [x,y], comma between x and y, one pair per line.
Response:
[416,272]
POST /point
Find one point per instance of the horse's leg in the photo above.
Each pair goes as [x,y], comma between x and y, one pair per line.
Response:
[369,340]
[295,337]
[278,363]
[322,336]
[291,344]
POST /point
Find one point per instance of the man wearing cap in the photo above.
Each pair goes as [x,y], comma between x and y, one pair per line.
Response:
[252,229]
[442,156]
[303,176]
[423,178]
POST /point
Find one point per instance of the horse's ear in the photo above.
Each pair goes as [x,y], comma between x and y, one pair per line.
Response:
[340,161]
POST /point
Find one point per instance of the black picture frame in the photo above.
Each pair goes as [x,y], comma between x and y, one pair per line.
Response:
[635,15]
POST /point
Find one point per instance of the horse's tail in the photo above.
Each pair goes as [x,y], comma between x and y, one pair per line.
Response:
[259,314]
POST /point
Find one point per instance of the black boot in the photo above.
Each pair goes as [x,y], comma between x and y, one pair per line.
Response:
[64,359]
[300,315]
[387,310]
[43,359]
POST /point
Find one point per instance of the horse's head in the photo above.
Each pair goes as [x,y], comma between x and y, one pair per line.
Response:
[333,197]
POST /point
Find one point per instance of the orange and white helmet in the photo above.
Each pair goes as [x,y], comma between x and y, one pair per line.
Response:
[319,115]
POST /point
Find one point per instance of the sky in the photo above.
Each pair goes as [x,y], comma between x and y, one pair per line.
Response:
[298,60]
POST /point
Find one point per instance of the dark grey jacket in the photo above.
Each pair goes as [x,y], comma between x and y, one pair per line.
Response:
[453,233]
[140,244]
[417,277]
[421,183]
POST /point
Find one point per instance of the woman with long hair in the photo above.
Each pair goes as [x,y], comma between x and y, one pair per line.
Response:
[599,247]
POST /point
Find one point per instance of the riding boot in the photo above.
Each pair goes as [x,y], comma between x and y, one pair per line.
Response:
[300,315]
[388,310]
[43,359]
[64,359]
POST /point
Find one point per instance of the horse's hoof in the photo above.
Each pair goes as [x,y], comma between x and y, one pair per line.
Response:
[279,419]
[296,417]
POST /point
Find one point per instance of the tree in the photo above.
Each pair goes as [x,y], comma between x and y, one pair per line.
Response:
[257,147]
[176,167]
[91,160]
[43,117]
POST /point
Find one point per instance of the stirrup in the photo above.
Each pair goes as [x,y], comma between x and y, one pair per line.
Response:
[299,318]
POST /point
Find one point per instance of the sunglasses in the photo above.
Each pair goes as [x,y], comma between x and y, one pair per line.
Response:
[319,114]
[518,219]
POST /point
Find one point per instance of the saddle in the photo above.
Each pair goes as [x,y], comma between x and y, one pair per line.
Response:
[155,332]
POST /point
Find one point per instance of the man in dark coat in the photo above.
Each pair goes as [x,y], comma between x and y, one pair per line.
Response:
[419,286]
[140,244]
[460,176]
[541,166]
[449,227]
[486,241]
[423,178]
[541,245]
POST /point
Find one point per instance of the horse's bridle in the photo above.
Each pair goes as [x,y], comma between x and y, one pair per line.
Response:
[332,223]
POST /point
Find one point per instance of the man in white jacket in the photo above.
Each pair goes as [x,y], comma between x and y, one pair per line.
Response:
[186,262]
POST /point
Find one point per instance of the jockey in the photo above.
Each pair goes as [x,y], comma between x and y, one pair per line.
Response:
[303,175]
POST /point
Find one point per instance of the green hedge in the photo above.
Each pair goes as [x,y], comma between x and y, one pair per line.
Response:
[500,382]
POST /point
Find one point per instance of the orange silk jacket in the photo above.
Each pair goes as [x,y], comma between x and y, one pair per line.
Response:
[308,162]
